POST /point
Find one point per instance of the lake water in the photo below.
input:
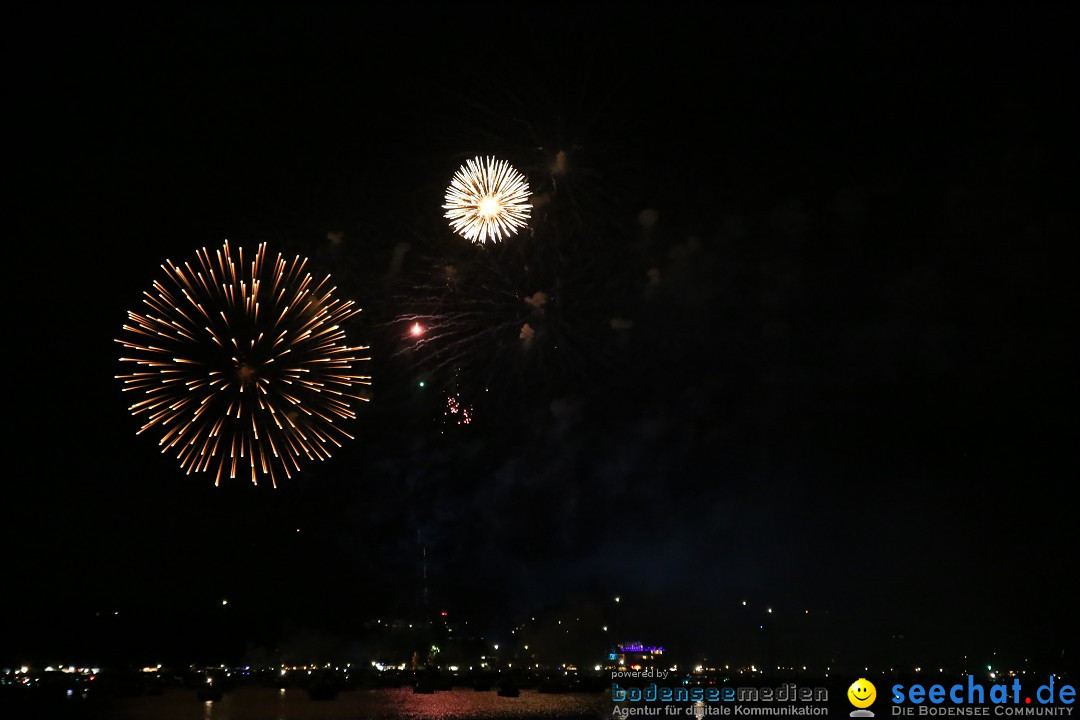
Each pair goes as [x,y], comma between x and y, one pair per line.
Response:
[388,704]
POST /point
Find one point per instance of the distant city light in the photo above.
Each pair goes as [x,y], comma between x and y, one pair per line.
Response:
[639,648]
[416,330]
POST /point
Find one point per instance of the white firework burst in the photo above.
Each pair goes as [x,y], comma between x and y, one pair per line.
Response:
[487,200]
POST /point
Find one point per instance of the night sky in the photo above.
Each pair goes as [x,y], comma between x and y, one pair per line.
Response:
[811,339]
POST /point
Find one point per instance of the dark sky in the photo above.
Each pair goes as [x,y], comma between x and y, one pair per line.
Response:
[841,377]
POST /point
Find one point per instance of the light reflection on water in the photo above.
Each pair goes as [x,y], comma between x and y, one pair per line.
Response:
[391,704]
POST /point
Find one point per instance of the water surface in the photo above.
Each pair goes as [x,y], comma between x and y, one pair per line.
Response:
[386,704]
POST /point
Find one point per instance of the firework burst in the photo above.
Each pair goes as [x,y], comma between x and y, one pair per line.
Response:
[491,328]
[243,367]
[457,411]
[486,200]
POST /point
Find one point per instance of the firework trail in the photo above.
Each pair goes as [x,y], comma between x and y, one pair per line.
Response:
[485,318]
[243,366]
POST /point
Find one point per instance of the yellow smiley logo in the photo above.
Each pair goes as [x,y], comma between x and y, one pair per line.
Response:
[862,693]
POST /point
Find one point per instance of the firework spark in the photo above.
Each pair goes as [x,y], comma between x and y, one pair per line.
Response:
[243,364]
[457,410]
[486,200]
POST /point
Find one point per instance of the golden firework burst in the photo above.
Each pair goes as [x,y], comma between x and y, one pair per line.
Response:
[243,366]
[487,200]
